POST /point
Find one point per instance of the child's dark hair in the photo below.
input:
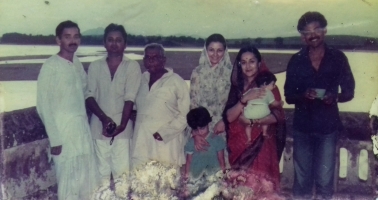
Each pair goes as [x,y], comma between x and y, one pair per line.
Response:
[264,78]
[198,117]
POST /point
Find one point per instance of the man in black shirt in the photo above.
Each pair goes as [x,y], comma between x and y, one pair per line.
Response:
[313,77]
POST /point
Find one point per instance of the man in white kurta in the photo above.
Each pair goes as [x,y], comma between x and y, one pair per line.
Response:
[60,104]
[61,107]
[111,96]
[162,109]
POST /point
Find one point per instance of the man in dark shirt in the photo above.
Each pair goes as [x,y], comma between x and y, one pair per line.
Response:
[313,77]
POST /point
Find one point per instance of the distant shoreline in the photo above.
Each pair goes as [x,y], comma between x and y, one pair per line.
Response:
[195,49]
[351,42]
[182,62]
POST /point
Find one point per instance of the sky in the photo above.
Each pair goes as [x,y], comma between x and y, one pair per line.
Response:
[197,18]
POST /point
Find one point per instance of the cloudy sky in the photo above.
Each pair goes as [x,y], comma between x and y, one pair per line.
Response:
[198,18]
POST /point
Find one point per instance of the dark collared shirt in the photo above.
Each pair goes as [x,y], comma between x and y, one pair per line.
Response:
[314,115]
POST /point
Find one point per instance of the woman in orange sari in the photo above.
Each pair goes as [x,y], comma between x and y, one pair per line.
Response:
[259,158]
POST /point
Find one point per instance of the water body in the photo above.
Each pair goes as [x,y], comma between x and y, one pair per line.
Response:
[22,94]
[31,50]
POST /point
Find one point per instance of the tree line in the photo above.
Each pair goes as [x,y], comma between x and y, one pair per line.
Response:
[339,41]
[132,40]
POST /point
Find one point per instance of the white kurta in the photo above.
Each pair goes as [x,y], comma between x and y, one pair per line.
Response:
[374,107]
[161,109]
[60,104]
[111,95]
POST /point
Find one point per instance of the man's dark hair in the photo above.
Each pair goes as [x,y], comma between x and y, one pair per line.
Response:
[115,27]
[264,78]
[309,17]
[66,24]
[216,37]
[198,117]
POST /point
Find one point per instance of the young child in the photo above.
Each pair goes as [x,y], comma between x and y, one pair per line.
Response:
[260,108]
[209,161]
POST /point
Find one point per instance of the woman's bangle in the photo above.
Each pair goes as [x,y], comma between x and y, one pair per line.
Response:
[242,103]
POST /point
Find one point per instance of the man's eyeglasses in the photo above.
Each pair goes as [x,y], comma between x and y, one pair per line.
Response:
[316,31]
[152,58]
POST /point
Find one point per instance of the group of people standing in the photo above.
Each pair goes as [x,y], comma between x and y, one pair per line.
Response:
[142,117]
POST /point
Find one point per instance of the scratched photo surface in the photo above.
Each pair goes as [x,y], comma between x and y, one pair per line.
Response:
[27,39]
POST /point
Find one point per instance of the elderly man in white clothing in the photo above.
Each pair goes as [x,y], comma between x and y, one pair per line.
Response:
[162,104]
[61,106]
[113,83]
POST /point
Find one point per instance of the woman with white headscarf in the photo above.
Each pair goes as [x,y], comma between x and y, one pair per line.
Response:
[210,84]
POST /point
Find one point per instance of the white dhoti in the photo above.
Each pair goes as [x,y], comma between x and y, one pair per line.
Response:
[77,177]
[113,158]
